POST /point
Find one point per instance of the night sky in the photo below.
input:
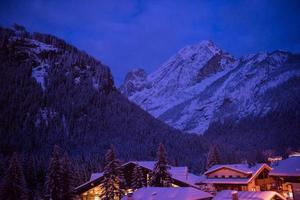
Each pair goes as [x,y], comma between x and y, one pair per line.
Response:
[130,34]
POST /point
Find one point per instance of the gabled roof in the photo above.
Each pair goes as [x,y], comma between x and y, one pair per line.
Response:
[95,176]
[179,174]
[169,193]
[243,168]
[287,167]
[242,195]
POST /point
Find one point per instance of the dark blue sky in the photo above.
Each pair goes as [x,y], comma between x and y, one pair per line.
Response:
[129,34]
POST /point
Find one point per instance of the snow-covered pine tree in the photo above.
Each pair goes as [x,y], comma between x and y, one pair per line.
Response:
[14,185]
[67,178]
[113,177]
[54,179]
[213,157]
[138,179]
[161,176]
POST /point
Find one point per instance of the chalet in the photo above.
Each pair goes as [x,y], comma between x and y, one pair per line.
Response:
[240,177]
[180,178]
[172,193]
[287,176]
[247,195]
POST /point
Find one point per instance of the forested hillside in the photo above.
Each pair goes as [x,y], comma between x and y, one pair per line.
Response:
[52,93]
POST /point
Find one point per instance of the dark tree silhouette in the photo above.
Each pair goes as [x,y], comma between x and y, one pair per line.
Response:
[161,176]
[213,157]
[14,185]
[67,178]
[113,177]
[54,179]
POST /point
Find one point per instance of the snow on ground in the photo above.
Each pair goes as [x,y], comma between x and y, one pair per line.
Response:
[172,193]
[265,195]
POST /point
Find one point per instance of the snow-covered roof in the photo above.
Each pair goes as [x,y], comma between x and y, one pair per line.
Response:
[225,180]
[169,193]
[242,195]
[146,164]
[95,176]
[243,168]
[178,173]
[287,167]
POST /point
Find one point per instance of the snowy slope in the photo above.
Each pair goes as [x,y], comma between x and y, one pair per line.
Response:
[202,84]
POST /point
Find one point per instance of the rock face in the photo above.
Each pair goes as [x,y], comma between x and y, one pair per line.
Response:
[135,81]
[202,84]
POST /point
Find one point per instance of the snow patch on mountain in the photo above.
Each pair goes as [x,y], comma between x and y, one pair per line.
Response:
[39,73]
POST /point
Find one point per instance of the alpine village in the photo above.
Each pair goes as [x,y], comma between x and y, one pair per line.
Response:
[195,123]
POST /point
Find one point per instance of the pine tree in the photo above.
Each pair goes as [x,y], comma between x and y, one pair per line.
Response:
[161,176]
[14,185]
[67,178]
[113,177]
[54,179]
[138,179]
[31,176]
[213,157]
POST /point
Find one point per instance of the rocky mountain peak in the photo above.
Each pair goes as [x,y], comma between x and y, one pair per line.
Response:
[202,84]
[135,80]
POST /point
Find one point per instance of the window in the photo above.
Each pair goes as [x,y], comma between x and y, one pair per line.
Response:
[238,176]
[230,176]
[223,176]
[216,176]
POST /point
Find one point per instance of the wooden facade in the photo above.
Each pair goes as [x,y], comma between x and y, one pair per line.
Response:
[229,177]
[287,175]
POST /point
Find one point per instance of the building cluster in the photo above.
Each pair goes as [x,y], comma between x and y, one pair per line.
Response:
[230,181]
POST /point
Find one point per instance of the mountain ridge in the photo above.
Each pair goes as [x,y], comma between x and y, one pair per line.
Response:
[193,101]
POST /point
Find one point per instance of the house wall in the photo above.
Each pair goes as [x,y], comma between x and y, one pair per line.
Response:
[252,186]
[92,194]
[226,173]
[238,187]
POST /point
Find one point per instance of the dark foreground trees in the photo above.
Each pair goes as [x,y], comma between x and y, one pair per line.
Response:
[161,176]
[59,180]
[113,177]
[14,185]
[213,157]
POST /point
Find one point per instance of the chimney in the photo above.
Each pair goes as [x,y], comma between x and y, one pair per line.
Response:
[235,195]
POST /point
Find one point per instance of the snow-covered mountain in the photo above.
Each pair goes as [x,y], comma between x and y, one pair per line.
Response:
[202,84]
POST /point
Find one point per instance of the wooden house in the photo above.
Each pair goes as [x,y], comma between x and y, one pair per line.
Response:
[240,177]
[92,188]
[287,176]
